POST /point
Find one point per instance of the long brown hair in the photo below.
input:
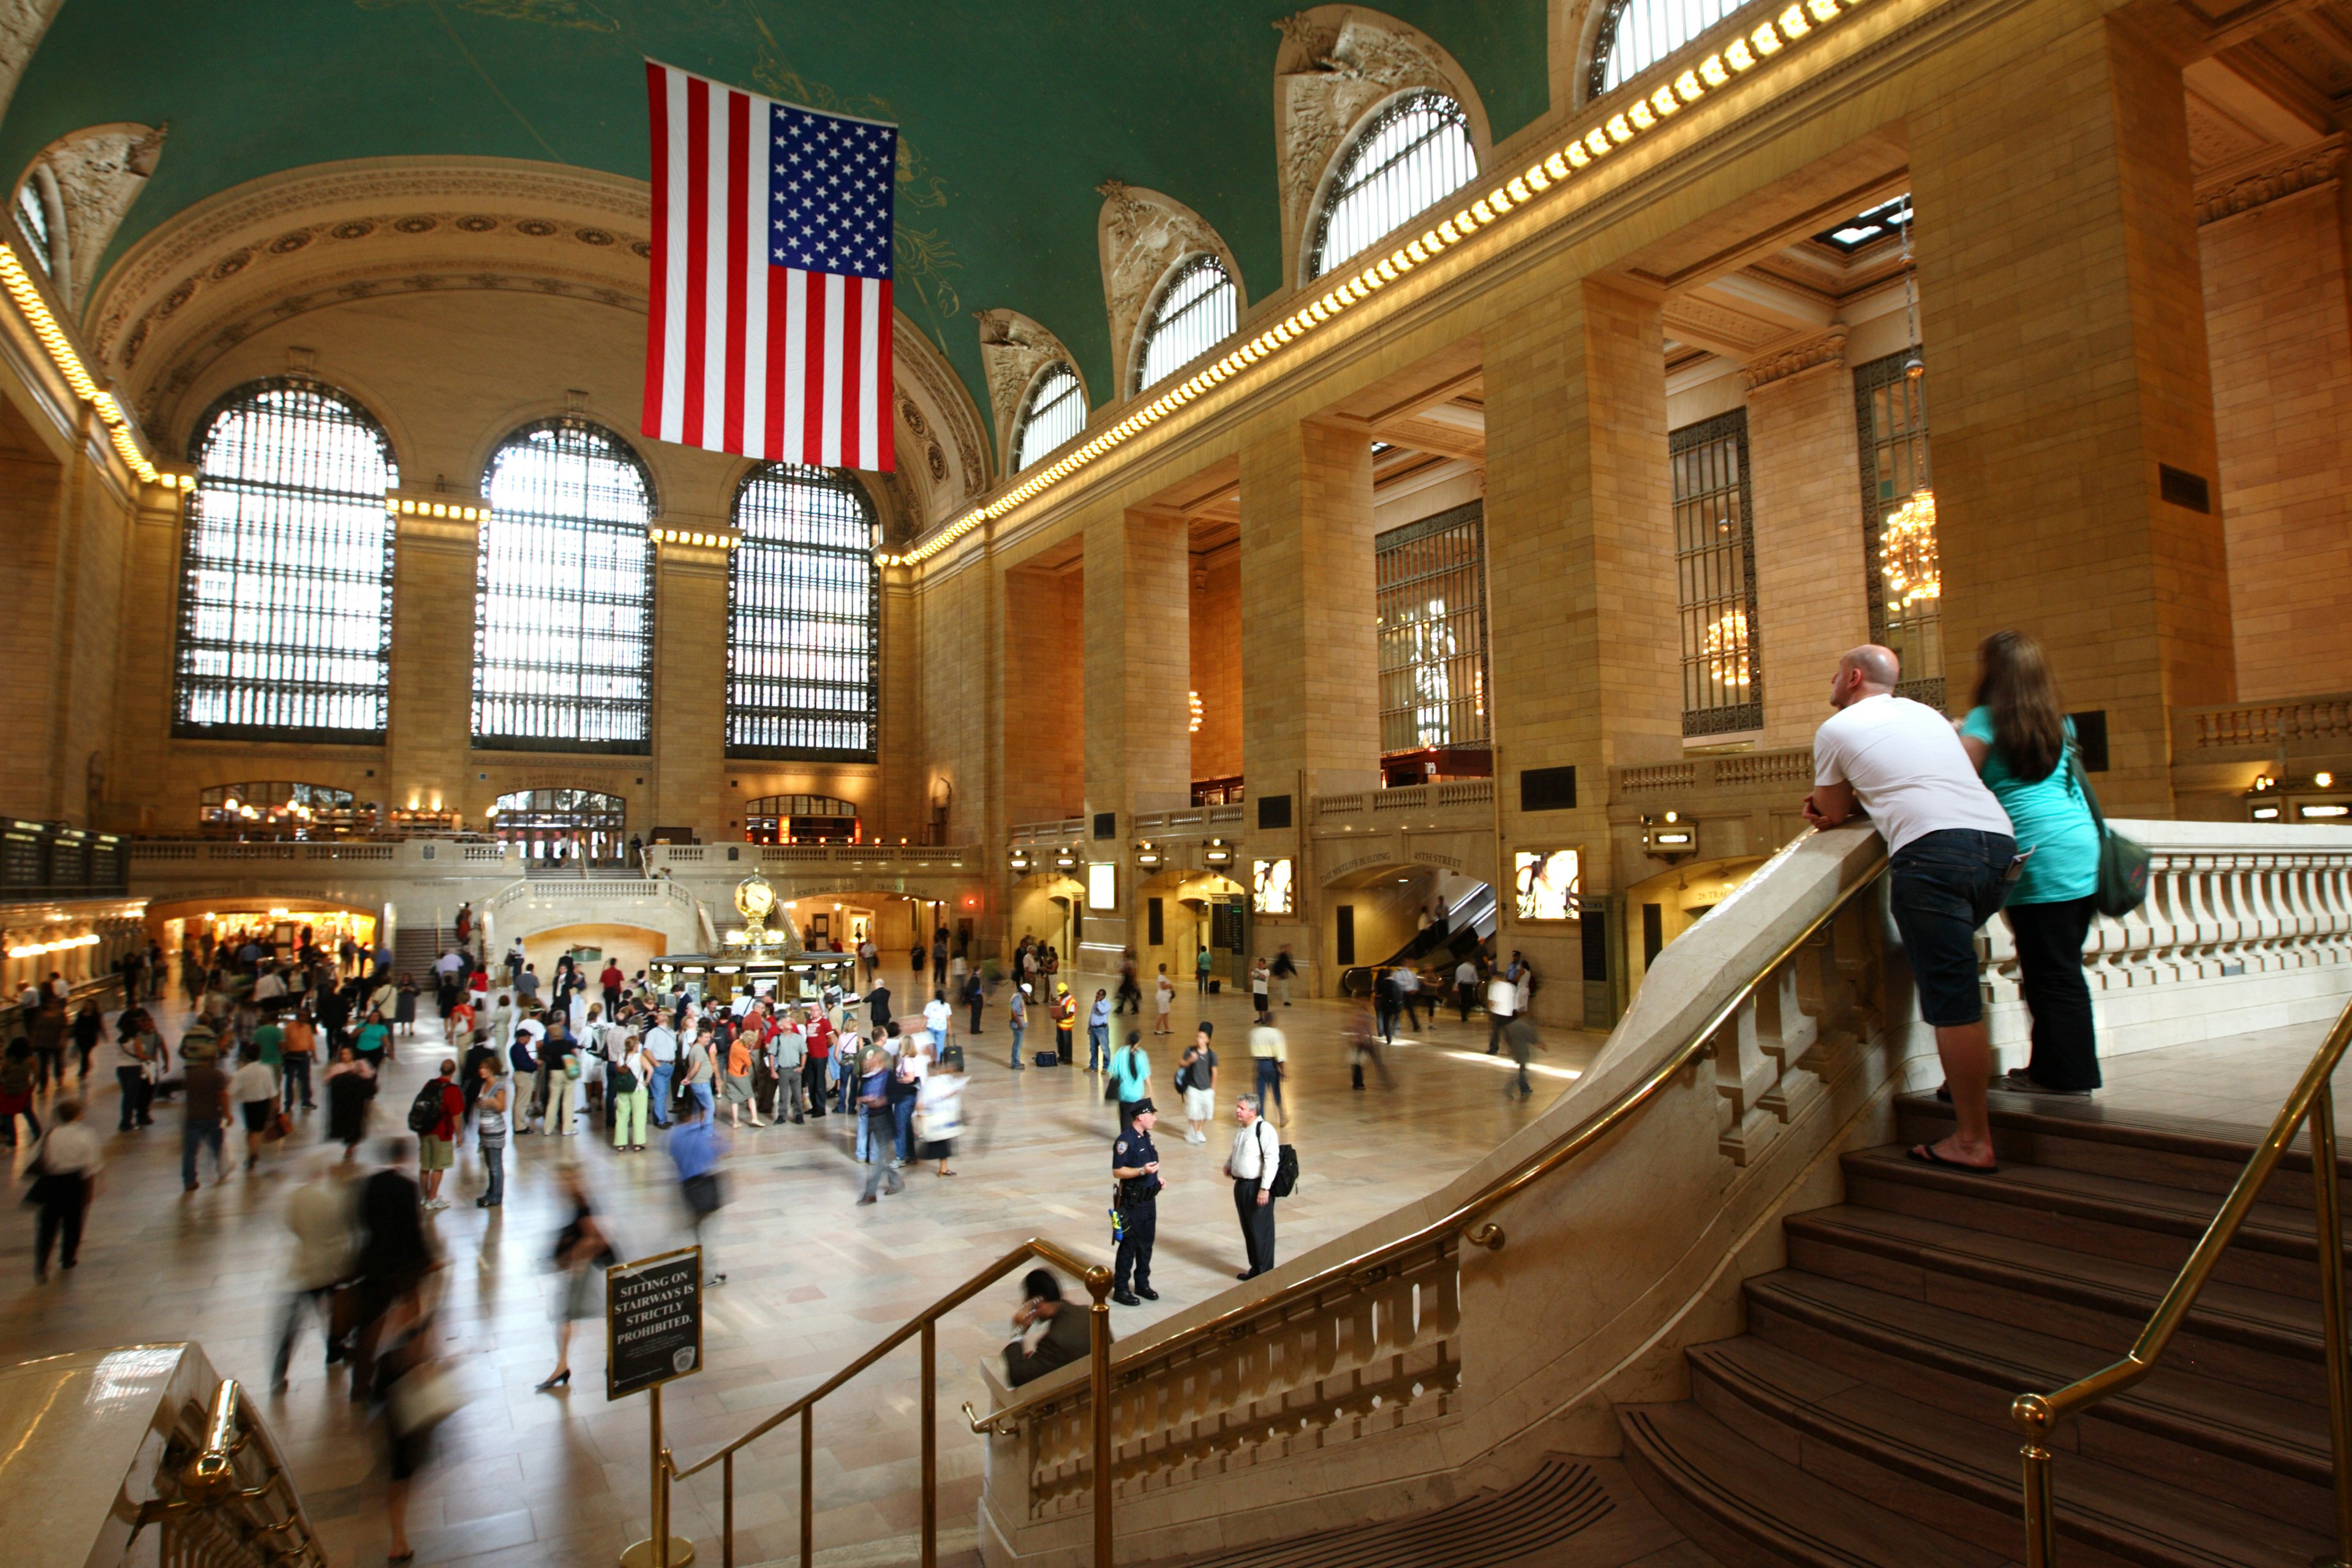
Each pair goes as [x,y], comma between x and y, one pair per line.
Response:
[2029,722]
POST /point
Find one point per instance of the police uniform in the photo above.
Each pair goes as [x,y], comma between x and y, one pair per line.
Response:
[1138,1207]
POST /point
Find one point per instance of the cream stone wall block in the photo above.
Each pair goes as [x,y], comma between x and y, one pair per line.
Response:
[1805,482]
[689,710]
[2068,361]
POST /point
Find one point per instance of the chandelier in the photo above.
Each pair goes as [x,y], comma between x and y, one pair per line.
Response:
[1906,548]
[1726,649]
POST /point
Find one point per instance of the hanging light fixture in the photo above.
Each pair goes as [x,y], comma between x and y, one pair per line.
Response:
[1726,649]
[1906,537]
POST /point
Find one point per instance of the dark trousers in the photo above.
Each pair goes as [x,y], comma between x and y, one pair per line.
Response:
[134,1107]
[975,1017]
[1411,1000]
[1269,1085]
[298,1072]
[301,1304]
[2050,973]
[1462,1000]
[51,1065]
[812,1080]
[61,1214]
[1135,1241]
[1257,1225]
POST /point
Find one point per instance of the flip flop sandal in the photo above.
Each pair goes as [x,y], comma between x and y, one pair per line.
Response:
[1926,1154]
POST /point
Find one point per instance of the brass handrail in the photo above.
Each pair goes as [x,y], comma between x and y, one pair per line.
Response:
[2037,1415]
[1098,1281]
[1503,1188]
[210,1480]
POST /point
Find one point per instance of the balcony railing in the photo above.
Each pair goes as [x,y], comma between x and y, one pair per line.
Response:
[2298,721]
[1421,798]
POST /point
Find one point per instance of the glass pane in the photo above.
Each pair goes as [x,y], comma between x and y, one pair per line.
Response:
[1637,34]
[1413,154]
[1197,311]
[803,618]
[1715,574]
[1906,578]
[1057,411]
[1429,581]
[286,596]
[564,635]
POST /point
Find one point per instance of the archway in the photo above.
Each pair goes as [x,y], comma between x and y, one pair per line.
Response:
[278,923]
[1047,906]
[562,828]
[593,946]
[1661,907]
[1431,917]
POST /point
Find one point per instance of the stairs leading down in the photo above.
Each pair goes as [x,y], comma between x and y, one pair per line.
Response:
[1864,1418]
[415,947]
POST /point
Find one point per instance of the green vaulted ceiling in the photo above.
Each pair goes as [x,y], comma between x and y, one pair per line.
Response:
[1013,111]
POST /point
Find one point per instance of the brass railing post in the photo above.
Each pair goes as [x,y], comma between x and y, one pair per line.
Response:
[931,1445]
[808,1489]
[1098,1283]
[727,1512]
[2033,1416]
[2328,1215]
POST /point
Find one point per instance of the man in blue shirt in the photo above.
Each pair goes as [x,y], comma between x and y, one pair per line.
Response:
[1099,1032]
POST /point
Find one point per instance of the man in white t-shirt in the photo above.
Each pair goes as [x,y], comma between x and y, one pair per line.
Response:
[1951,857]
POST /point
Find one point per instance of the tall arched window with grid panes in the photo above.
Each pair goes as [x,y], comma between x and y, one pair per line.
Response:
[285,626]
[1196,309]
[1635,35]
[563,637]
[1414,152]
[1054,410]
[803,618]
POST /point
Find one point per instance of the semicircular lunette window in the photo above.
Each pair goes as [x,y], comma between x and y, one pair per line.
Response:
[1055,411]
[1198,308]
[286,590]
[1410,156]
[564,594]
[1637,34]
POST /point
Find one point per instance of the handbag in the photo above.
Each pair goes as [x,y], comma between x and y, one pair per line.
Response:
[2123,862]
[427,1395]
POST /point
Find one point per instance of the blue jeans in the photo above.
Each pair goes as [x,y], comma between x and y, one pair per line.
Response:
[868,1126]
[494,1159]
[297,1070]
[701,1092]
[195,1136]
[1017,1032]
[1097,1045]
[902,1114]
[1943,886]
[1269,1085]
[661,1092]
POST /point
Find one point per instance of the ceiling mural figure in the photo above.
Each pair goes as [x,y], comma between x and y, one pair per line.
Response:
[1337,63]
[1142,234]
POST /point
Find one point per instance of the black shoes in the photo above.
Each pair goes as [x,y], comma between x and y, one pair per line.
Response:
[1127,1298]
[1147,1292]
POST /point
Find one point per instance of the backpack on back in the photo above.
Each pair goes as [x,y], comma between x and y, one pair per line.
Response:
[424,1110]
[1285,1172]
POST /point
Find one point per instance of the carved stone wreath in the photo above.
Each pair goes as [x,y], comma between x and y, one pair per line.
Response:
[1143,234]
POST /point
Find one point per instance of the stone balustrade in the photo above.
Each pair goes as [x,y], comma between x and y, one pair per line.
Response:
[1697,777]
[1192,822]
[1425,799]
[1274,1411]
[2264,725]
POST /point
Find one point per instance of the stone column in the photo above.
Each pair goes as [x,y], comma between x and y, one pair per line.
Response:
[689,766]
[140,774]
[2070,406]
[1138,736]
[1805,482]
[1580,566]
[429,712]
[1310,658]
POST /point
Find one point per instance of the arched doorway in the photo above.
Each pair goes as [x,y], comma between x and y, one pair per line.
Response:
[1430,917]
[562,828]
[1661,907]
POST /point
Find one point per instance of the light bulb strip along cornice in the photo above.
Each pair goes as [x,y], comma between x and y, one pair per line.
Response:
[1637,118]
[27,294]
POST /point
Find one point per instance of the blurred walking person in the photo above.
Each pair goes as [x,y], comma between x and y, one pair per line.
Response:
[582,1252]
[67,1160]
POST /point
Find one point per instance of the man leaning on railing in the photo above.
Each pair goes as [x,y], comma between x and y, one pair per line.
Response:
[1950,858]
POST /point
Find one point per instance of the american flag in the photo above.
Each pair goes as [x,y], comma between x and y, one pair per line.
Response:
[770,334]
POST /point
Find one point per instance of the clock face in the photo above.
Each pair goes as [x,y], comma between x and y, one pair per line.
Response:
[755,899]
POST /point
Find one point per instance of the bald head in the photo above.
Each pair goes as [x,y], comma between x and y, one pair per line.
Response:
[1869,671]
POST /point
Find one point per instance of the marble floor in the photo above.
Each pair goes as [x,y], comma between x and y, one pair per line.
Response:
[560,1479]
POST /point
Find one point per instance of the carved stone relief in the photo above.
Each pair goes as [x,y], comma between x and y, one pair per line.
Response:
[1336,64]
[2314,166]
[1141,234]
[99,172]
[22,23]
[933,403]
[1013,348]
[1827,348]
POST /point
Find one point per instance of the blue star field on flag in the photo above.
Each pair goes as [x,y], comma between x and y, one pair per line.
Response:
[829,193]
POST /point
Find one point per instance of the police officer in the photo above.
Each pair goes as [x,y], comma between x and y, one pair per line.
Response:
[1135,1165]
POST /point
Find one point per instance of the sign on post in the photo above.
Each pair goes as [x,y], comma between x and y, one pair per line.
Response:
[652,1320]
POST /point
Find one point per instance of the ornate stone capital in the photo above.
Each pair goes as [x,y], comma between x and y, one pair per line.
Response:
[2312,166]
[1828,348]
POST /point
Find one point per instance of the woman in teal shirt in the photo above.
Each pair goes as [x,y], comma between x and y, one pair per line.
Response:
[2019,736]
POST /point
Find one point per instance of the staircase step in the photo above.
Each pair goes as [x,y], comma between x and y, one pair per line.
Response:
[2134,1222]
[2101,1301]
[1754,1509]
[2082,1135]
[1962,1476]
[2221,1439]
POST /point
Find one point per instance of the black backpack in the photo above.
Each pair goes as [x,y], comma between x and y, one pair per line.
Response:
[1285,1172]
[424,1110]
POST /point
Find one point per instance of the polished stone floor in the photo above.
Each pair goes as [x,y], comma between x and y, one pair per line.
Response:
[813,1281]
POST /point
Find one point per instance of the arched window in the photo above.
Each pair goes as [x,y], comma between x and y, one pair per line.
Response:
[1637,34]
[1411,155]
[556,825]
[278,806]
[800,819]
[32,220]
[1055,411]
[563,639]
[803,617]
[1197,309]
[286,575]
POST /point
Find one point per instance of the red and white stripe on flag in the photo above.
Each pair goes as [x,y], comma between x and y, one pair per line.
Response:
[742,354]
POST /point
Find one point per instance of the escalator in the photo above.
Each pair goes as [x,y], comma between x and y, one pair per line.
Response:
[1467,929]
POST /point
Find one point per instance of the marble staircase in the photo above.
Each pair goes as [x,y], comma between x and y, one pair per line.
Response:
[1863,1417]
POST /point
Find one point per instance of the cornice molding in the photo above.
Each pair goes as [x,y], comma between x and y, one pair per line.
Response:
[1826,349]
[2310,167]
